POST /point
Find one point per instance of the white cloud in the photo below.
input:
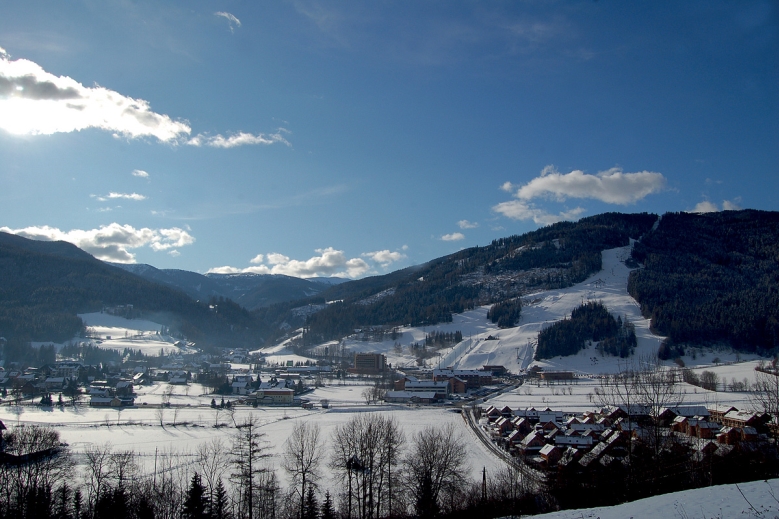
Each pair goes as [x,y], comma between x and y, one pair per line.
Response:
[111,242]
[455,236]
[465,224]
[384,257]
[520,210]
[612,186]
[328,262]
[508,187]
[710,207]
[705,207]
[239,139]
[174,253]
[231,19]
[35,102]
[127,196]
[140,173]
[274,258]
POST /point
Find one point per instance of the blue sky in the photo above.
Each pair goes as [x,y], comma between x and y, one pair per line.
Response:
[343,138]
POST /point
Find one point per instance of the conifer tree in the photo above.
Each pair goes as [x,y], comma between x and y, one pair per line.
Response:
[196,504]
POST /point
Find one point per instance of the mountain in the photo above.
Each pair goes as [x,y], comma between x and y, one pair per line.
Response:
[44,285]
[704,278]
[551,257]
[251,291]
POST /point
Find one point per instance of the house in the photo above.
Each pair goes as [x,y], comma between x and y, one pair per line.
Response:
[514,438]
[551,454]
[718,412]
[573,439]
[400,385]
[458,385]
[703,429]
[742,419]
[495,370]
[546,415]
[473,378]
[415,397]
[440,388]
[97,400]
[502,425]
[369,364]
[179,378]
[667,414]
[54,383]
[729,436]
[124,388]
[532,443]
[521,424]
[492,413]
[274,396]
[241,388]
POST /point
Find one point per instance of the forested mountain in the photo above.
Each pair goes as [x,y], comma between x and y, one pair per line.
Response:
[712,277]
[251,291]
[555,256]
[43,285]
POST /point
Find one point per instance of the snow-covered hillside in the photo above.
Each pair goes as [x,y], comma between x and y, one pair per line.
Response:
[753,499]
[515,347]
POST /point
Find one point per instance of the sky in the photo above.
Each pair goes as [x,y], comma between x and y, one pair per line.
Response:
[319,138]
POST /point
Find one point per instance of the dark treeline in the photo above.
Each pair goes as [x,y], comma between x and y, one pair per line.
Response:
[20,351]
[443,338]
[588,322]
[711,277]
[505,314]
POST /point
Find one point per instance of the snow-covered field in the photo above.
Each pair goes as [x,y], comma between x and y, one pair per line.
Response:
[139,428]
[113,332]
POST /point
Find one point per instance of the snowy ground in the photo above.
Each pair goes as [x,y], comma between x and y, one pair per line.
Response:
[759,499]
[112,332]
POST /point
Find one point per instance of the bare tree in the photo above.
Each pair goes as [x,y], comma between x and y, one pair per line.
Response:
[303,452]
[98,471]
[160,414]
[435,469]
[657,389]
[46,464]
[366,452]
[122,466]
[212,462]
[765,397]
